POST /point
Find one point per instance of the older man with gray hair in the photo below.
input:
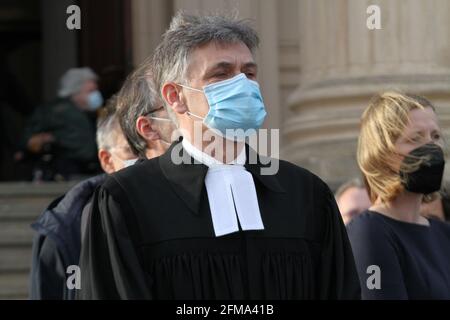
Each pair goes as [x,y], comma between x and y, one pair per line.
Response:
[212,226]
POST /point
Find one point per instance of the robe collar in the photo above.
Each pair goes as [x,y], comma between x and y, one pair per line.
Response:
[207,160]
[188,179]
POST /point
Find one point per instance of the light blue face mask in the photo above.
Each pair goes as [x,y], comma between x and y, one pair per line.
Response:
[94,100]
[234,104]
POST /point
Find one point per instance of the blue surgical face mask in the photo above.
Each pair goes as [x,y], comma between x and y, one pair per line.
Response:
[94,100]
[234,103]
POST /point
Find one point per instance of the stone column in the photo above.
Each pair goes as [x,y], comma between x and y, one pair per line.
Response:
[343,63]
[59,45]
[149,21]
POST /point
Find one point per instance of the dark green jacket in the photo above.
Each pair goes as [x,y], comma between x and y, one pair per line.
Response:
[72,128]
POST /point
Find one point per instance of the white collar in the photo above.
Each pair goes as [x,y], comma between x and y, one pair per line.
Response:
[209,161]
[231,193]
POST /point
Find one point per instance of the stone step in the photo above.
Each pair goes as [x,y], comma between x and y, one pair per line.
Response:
[15,259]
[15,209]
[20,205]
[14,285]
[24,189]
[16,233]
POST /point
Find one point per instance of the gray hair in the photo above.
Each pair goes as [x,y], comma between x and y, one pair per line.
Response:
[107,126]
[73,79]
[188,32]
[136,98]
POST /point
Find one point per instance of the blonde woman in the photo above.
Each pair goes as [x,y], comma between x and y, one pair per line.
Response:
[400,254]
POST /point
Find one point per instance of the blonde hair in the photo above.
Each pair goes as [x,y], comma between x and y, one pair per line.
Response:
[382,123]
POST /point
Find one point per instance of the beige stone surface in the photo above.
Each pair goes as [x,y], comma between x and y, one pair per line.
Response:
[20,204]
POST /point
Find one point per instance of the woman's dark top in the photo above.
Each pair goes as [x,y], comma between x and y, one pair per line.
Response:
[413,259]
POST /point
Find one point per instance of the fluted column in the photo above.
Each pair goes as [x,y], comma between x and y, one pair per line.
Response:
[150,18]
[343,63]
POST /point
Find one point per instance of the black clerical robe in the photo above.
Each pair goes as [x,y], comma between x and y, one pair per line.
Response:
[150,236]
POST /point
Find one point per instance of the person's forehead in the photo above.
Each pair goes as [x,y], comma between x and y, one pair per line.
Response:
[354,198]
[422,119]
[346,202]
[212,53]
[90,84]
[353,193]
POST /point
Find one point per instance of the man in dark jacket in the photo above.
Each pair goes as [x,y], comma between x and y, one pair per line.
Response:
[65,128]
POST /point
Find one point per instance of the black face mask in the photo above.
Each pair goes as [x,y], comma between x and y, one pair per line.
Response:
[428,177]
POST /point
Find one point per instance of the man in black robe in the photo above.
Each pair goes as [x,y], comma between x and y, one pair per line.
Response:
[197,223]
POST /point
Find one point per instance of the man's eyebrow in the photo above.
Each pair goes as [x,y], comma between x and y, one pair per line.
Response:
[228,65]
[219,65]
[250,65]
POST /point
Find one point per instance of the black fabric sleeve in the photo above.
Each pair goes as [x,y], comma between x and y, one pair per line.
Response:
[373,246]
[110,267]
[47,277]
[338,278]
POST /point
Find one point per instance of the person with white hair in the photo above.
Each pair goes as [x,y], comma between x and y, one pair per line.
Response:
[81,85]
[65,128]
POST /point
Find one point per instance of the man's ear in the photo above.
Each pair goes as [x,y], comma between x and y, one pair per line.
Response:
[173,97]
[145,130]
[105,161]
